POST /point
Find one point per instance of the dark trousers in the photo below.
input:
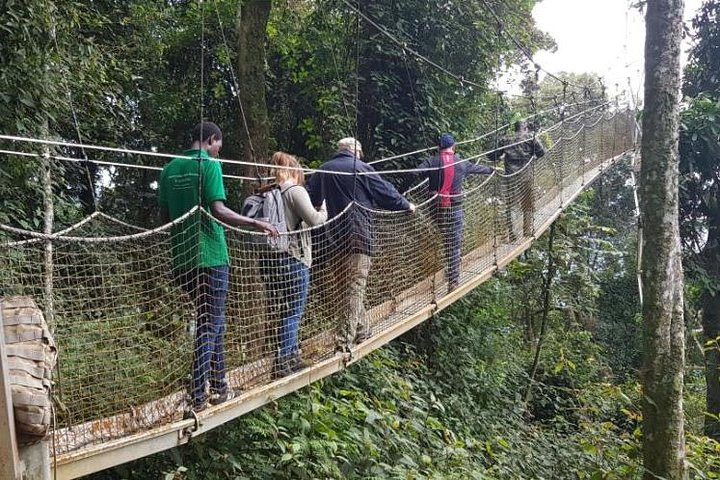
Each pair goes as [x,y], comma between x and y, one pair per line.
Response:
[451,222]
[207,287]
[521,195]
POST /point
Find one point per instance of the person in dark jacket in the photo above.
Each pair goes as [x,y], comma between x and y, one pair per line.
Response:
[517,151]
[338,185]
[445,173]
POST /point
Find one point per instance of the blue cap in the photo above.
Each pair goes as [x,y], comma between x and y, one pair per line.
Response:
[446,141]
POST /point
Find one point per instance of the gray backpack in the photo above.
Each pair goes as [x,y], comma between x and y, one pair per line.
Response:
[267,204]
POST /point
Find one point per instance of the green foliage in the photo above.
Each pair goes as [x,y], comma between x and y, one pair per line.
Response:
[701,73]
[319,56]
[447,402]
[700,195]
[581,91]
[699,189]
[452,413]
[132,72]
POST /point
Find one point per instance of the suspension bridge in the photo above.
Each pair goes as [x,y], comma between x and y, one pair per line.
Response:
[121,324]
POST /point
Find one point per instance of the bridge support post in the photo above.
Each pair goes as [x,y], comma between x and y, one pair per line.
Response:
[31,462]
[10,467]
[36,461]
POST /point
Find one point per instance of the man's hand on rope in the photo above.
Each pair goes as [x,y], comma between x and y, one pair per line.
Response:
[412,208]
[267,228]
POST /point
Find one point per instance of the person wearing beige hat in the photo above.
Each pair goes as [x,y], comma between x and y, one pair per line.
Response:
[338,183]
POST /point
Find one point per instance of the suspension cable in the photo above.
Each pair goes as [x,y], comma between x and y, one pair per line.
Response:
[346,110]
[436,65]
[76,123]
[111,164]
[357,100]
[416,54]
[240,162]
[202,108]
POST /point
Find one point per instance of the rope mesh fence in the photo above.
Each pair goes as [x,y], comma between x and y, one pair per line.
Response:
[125,324]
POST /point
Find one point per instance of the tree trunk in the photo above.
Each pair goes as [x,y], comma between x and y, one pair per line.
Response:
[251,30]
[547,290]
[664,330]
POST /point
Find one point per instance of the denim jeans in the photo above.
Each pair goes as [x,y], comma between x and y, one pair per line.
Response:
[451,222]
[288,283]
[208,289]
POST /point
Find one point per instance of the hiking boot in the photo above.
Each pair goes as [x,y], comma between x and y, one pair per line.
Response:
[362,336]
[341,349]
[283,368]
[197,408]
[293,364]
[219,398]
[281,371]
[297,363]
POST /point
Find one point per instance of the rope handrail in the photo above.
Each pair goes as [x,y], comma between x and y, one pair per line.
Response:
[481,137]
[112,164]
[143,231]
[233,162]
[59,236]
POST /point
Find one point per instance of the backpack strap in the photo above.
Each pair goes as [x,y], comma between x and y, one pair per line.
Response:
[282,193]
[283,190]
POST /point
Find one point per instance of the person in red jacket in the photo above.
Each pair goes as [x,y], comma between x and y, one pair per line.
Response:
[446,173]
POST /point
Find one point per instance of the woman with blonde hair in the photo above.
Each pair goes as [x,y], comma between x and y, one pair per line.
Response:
[289,273]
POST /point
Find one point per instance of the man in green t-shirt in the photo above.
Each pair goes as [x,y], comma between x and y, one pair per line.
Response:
[199,251]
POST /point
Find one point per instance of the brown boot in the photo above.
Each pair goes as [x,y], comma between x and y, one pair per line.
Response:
[360,337]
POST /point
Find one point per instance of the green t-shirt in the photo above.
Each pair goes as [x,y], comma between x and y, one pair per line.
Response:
[197,241]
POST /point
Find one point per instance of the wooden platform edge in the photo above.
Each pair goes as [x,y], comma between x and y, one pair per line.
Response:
[116,452]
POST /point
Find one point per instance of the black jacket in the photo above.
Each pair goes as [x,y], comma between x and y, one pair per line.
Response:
[518,150]
[354,231]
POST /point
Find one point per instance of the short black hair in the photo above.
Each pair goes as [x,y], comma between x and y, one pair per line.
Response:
[204,130]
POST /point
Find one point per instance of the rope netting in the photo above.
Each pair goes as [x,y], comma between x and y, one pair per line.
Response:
[125,324]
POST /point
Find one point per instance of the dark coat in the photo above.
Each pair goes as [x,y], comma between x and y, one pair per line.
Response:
[353,232]
[518,150]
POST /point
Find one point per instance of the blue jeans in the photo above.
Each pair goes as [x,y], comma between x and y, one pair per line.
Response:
[451,221]
[208,289]
[288,282]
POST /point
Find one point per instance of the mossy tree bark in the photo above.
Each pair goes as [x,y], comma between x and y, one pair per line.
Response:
[664,330]
[251,27]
